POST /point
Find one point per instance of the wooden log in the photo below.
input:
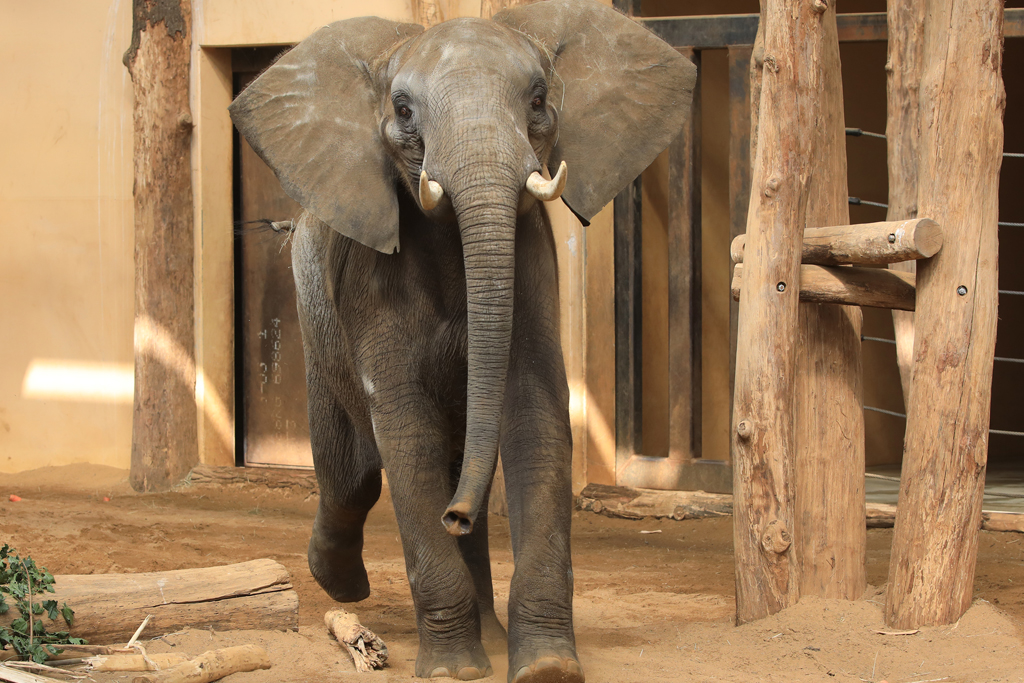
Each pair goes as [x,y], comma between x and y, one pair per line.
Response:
[165,442]
[629,503]
[211,666]
[905,23]
[12,675]
[851,286]
[136,662]
[368,652]
[829,537]
[864,244]
[275,478]
[962,100]
[250,595]
[763,444]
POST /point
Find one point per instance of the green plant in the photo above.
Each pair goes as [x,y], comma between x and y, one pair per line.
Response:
[25,582]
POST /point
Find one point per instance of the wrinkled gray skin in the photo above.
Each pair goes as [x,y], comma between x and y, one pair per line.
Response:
[449,347]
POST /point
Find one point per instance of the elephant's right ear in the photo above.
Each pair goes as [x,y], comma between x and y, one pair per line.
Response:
[312,117]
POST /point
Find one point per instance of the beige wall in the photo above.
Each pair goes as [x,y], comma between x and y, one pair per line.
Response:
[67,273]
[66,264]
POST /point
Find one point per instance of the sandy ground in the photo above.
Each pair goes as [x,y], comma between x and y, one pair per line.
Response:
[649,607]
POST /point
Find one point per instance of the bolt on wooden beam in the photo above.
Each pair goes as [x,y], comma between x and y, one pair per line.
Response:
[864,244]
[852,286]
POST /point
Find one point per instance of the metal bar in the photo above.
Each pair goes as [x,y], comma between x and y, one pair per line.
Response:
[628,320]
[885,412]
[724,30]
[684,284]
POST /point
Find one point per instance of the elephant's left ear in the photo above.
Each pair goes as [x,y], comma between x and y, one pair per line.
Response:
[623,94]
[312,117]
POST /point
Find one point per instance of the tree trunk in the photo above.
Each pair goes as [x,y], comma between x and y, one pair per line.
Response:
[935,542]
[763,408]
[164,426]
[902,129]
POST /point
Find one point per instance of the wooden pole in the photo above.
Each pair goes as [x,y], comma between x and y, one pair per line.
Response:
[865,244]
[763,406]
[854,286]
[829,539]
[935,542]
[905,19]
[164,426]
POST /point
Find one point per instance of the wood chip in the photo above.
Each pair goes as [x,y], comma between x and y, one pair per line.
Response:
[898,633]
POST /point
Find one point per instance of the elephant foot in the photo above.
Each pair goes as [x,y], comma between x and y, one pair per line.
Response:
[339,572]
[467,666]
[549,669]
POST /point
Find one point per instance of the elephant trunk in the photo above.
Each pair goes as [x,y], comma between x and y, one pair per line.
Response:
[485,202]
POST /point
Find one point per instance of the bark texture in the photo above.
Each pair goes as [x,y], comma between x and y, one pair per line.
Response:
[763,407]
[829,537]
[853,286]
[164,426]
[905,19]
[249,595]
[962,100]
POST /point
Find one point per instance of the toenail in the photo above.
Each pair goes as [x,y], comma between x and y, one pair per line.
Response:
[440,672]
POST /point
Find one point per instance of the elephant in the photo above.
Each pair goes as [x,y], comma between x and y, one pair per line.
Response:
[427,290]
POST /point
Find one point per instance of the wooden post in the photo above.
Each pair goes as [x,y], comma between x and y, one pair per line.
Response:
[684,284]
[164,427]
[763,408]
[905,19]
[740,70]
[829,537]
[962,99]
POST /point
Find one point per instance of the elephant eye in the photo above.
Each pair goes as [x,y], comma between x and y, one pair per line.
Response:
[537,102]
[404,112]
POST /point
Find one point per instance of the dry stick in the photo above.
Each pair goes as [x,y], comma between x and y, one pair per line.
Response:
[31,621]
[138,631]
[211,666]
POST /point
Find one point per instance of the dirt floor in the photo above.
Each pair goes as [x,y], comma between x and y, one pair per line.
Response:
[649,607]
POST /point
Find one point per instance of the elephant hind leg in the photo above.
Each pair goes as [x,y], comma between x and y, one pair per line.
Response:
[349,474]
[476,554]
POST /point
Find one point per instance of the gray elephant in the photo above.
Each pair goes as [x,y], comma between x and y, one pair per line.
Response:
[424,360]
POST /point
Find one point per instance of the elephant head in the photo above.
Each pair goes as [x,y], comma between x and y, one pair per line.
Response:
[464,117]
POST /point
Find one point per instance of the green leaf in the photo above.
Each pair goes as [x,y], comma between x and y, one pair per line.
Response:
[37,609]
[69,614]
[20,626]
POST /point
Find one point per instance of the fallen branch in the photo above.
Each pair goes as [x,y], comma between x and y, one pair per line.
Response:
[11,675]
[368,652]
[249,595]
[211,666]
[272,478]
[157,662]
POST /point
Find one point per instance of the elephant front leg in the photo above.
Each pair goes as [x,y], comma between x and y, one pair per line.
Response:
[417,459]
[536,452]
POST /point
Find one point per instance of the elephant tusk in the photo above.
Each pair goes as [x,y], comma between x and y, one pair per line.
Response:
[547,190]
[430,192]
